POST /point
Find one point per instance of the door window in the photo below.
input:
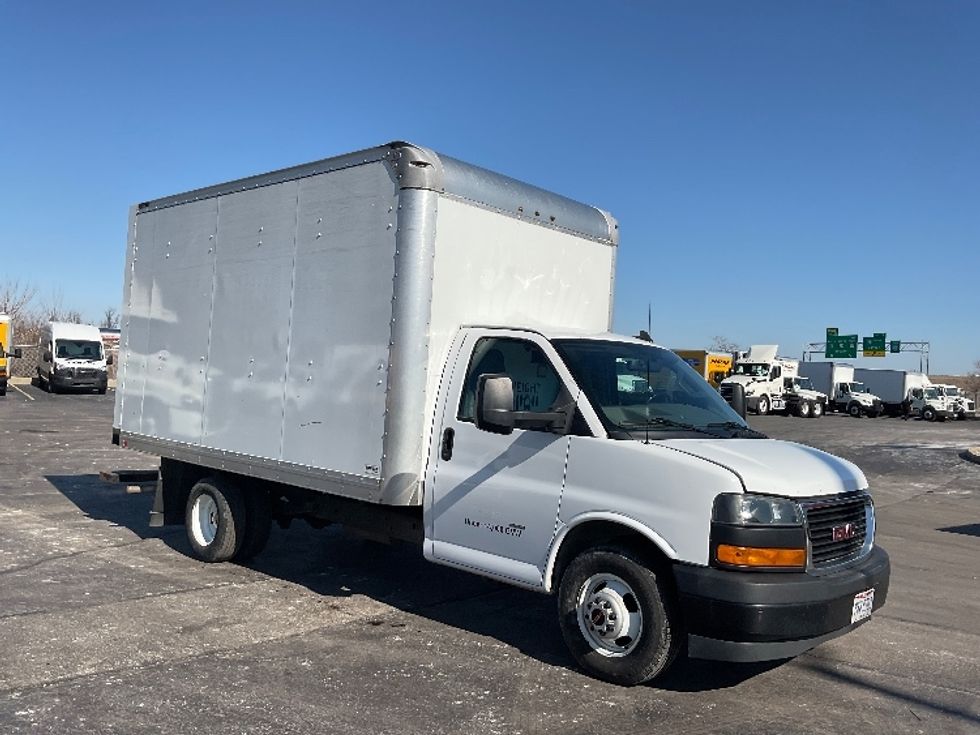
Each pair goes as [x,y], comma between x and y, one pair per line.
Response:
[536,384]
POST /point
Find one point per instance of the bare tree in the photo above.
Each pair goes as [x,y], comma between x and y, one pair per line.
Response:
[110,320]
[721,343]
[15,298]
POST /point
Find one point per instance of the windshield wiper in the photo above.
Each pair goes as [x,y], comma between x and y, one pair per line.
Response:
[742,431]
[660,421]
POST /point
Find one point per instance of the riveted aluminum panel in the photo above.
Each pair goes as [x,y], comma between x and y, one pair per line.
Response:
[523,201]
[409,420]
[341,321]
[250,320]
[134,334]
[176,267]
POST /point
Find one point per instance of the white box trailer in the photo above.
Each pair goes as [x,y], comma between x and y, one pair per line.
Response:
[419,348]
[896,386]
[892,386]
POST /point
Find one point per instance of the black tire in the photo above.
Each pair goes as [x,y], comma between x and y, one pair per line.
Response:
[854,409]
[215,517]
[102,391]
[804,409]
[762,407]
[817,410]
[258,524]
[655,646]
[928,413]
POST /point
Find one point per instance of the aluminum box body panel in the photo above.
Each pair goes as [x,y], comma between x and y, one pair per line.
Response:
[294,325]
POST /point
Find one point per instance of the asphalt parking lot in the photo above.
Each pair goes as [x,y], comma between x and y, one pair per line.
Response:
[108,626]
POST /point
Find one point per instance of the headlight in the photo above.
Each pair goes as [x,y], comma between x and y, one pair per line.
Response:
[757,532]
[756,510]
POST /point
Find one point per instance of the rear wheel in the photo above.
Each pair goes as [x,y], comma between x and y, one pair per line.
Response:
[817,410]
[618,616]
[215,518]
[762,407]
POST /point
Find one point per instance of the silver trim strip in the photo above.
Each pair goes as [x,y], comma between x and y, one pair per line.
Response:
[328,481]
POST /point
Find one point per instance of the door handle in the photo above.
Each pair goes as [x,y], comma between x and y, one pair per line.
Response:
[448,436]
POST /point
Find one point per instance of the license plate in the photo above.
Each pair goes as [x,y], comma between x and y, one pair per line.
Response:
[863,603]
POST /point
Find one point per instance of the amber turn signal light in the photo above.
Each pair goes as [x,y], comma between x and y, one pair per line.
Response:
[753,556]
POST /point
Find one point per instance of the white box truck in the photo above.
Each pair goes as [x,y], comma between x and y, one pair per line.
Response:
[896,386]
[844,392]
[419,348]
[72,357]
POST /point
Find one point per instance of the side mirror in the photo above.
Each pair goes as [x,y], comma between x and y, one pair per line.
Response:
[738,399]
[495,404]
[108,360]
[47,356]
[17,354]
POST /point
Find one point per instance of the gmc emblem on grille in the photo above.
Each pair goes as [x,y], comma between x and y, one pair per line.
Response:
[845,532]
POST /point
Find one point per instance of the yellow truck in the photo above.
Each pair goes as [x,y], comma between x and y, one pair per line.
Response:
[712,366]
[6,351]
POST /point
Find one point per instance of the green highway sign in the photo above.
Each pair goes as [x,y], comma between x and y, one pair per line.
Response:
[841,347]
[874,346]
[832,332]
[895,345]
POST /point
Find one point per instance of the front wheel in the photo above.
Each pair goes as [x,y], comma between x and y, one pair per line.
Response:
[804,410]
[618,617]
[854,409]
[928,413]
[762,407]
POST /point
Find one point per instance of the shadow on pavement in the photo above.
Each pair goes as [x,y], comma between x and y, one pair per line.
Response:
[339,565]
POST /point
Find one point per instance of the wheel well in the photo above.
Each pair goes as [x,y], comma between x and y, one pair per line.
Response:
[592,534]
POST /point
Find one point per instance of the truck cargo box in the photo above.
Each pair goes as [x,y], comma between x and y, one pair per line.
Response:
[293,325]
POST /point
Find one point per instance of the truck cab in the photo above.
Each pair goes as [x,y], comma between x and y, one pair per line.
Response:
[929,403]
[959,405]
[519,488]
[802,399]
[855,398]
[760,373]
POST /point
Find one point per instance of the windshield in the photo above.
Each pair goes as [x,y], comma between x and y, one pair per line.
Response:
[78,349]
[952,391]
[646,388]
[755,369]
[858,388]
[803,383]
[931,393]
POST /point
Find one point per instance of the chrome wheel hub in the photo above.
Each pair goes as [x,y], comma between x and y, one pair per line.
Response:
[609,615]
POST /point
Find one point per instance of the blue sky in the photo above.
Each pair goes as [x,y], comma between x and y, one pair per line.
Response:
[776,167]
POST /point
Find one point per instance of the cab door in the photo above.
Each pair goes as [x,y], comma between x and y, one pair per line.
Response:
[492,499]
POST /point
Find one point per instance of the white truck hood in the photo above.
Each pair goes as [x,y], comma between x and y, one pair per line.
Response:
[777,467]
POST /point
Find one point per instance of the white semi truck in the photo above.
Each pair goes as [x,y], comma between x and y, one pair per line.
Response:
[959,405]
[419,348]
[896,386]
[845,393]
[772,383]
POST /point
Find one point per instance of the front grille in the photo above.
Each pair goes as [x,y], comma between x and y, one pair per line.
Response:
[84,373]
[849,514]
